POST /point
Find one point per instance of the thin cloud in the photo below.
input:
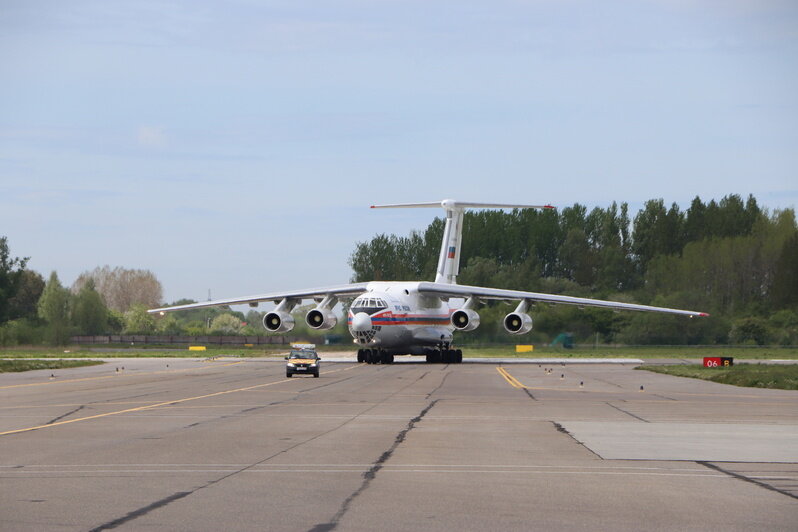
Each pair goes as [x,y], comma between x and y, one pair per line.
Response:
[152,137]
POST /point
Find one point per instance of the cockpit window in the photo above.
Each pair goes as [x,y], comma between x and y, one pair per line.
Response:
[369,305]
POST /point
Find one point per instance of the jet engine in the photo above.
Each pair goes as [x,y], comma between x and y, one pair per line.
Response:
[465,319]
[278,321]
[321,318]
[518,323]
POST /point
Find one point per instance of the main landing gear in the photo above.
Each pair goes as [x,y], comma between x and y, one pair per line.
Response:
[437,356]
[445,356]
[374,356]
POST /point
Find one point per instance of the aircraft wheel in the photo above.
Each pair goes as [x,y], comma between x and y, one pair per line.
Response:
[459,356]
[367,356]
[390,359]
[446,356]
[361,357]
[452,355]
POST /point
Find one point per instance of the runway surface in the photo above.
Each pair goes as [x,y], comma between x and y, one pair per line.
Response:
[234,445]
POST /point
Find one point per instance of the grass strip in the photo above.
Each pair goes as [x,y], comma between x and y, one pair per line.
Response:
[28,364]
[105,352]
[773,376]
[644,352]
[493,351]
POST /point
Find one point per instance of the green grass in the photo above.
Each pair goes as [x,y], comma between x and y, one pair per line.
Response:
[28,364]
[105,351]
[782,377]
[494,351]
[643,352]
[158,351]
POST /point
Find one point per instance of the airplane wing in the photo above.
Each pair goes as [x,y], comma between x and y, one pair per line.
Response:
[313,293]
[465,291]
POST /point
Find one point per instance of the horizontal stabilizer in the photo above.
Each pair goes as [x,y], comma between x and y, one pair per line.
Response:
[449,204]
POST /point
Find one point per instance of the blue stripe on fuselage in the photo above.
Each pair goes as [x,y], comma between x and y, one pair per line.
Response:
[407,319]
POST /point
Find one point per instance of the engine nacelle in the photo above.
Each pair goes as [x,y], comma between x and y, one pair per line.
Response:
[465,320]
[321,318]
[277,321]
[518,323]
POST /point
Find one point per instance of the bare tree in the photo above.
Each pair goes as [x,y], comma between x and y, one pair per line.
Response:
[122,288]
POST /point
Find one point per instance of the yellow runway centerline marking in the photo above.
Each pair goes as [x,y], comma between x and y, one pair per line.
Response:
[156,405]
[117,375]
[510,379]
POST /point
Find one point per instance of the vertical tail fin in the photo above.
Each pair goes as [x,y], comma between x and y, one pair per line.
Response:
[449,258]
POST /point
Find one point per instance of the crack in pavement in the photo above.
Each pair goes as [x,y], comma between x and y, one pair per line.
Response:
[627,413]
[369,475]
[563,430]
[746,479]
[235,415]
[142,511]
[438,387]
[62,416]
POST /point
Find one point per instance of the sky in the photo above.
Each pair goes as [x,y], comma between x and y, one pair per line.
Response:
[235,146]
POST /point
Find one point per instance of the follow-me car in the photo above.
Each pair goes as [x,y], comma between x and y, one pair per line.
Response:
[415,318]
[302,359]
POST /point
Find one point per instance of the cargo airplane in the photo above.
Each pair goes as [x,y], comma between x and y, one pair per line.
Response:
[388,318]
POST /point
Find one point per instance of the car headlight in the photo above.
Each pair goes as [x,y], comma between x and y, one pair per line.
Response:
[313,365]
[290,364]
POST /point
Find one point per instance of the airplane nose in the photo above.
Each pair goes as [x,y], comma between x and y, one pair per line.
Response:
[361,322]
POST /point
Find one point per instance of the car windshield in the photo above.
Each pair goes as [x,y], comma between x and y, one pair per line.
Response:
[303,354]
[369,305]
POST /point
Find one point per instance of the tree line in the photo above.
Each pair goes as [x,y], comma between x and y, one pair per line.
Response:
[104,301]
[729,257]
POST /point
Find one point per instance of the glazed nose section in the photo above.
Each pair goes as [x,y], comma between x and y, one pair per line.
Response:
[361,322]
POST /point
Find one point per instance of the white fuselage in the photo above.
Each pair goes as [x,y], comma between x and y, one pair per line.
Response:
[395,317]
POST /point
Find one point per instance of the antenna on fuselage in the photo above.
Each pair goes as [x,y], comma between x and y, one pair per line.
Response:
[449,258]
